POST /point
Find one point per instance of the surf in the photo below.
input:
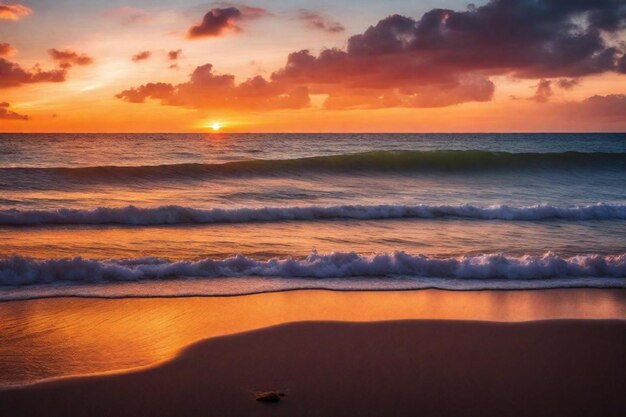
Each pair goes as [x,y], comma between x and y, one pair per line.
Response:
[172,214]
[19,271]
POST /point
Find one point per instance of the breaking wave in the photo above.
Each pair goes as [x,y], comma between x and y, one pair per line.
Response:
[164,215]
[392,161]
[19,271]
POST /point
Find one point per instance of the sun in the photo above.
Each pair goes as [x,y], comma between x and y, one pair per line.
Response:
[213,126]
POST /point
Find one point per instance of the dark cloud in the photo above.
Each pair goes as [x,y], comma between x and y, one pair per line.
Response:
[567,83]
[13,11]
[67,58]
[5,113]
[219,21]
[6,49]
[540,38]
[208,90]
[215,23]
[544,91]
[314,20]
[141,56]
[13,75]
[526,39]
[247,12]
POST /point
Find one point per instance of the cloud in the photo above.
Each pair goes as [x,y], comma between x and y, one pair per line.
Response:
[208,90]
[215,23]
[13,11]
[544,91]
[314,20]
[155,91]
[446,57]
[612,106]
[13,75]
[7,50]
[67,58]
[127,15]
[531,39]
[5,113]
[247,12]
[141,56]
[597,109]
[219,21]
[525,39]
[174,55]
[567,83]
[465,89]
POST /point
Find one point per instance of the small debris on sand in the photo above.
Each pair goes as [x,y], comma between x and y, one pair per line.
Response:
[269,397]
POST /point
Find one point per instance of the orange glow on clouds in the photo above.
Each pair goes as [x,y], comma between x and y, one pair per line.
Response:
[13,11]
[348,79]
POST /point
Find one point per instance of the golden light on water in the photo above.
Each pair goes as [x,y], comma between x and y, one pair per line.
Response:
[63,336]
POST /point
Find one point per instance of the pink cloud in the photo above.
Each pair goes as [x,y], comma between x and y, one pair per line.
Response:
[141,56]
[7,50]
[209,90]
[13,11]
[315,20]
[174,55]
[67,58]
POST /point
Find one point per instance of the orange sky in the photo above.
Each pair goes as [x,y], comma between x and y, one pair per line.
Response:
[97,79]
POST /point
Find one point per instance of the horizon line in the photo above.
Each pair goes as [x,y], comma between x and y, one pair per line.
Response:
[321,133]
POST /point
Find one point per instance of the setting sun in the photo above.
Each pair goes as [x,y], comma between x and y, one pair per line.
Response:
[216,126]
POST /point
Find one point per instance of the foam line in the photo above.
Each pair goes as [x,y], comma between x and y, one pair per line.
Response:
[19,271]
[165,215]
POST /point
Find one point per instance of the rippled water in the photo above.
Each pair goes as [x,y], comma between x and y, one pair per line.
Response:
[549,208]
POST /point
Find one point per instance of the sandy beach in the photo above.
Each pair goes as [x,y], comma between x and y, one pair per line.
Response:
[491,353]
[432,368]
[61,337]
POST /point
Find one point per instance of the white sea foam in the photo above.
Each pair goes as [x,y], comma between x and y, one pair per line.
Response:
[18,271]
[132,215]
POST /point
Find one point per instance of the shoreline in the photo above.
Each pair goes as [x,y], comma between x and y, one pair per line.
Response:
[86,295]
[288,290]
[407,367]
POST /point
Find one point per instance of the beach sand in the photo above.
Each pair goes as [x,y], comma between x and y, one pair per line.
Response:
[417,367]
[500,353]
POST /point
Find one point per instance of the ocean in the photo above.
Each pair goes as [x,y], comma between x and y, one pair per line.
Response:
[128,215]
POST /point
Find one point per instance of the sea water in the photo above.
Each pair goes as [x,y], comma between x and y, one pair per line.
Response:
[117,215]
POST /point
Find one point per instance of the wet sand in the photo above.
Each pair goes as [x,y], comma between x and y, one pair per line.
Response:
[417,367]
[63,337]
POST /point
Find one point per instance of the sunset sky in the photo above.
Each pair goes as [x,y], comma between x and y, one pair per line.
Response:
[312,66]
